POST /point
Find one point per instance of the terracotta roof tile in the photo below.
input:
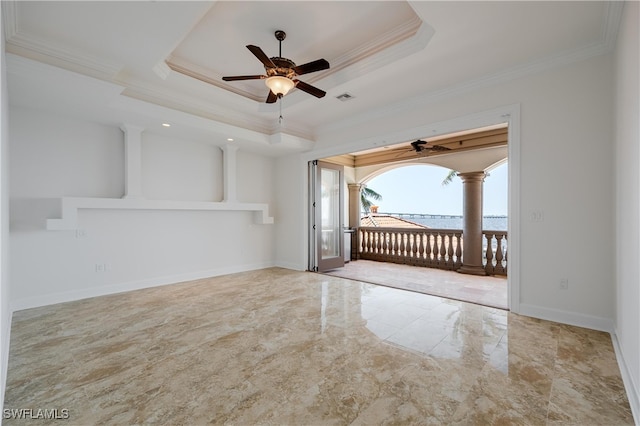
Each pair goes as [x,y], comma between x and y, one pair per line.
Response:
[387,221]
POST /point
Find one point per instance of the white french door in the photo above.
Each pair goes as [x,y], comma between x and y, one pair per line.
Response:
[326,219]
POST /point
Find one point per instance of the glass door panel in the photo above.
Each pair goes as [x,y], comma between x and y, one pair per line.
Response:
[329,216]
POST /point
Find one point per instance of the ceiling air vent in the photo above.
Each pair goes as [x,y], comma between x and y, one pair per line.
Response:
[345,97]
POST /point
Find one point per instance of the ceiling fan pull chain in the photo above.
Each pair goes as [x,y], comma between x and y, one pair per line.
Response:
[280,118]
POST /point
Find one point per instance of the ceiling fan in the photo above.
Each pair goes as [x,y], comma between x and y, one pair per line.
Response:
[281,72]
[420,146]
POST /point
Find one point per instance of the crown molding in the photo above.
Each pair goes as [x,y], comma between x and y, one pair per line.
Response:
[33,47]
[162,70]
[291,142]
[195,106]
[201,108]
[600,47]
[380,50]
[401,41]
[211,131]
[613,16]
[205,75]
[142,90]
[9,18]
[21,65]
[290,128]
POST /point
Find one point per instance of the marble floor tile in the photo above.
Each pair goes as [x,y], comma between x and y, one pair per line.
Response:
[487,291]
[281,347]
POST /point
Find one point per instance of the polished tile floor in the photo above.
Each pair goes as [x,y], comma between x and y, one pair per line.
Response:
[488,291]
[283,347]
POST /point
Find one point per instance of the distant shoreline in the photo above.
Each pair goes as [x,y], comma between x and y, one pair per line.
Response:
[448,221]
[435,216]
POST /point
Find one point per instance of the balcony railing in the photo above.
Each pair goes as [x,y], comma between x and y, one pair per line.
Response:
[432,248]
[494,252]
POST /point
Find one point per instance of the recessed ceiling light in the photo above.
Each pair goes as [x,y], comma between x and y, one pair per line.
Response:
[230,139]
[166,125]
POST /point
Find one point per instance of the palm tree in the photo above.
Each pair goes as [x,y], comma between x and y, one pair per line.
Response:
[367,197]
[449,178]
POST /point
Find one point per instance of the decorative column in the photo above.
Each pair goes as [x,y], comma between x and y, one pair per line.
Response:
[229,176]
[133,161]
[354,216]
[354,204]
[472,223]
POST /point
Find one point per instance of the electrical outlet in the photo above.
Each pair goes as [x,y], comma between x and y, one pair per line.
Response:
[101,267]
[564,284]
[81,233]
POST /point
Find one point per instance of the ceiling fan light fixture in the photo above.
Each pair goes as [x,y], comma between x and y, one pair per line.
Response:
[279,85]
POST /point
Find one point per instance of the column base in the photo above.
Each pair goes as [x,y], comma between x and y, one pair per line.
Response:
[472,270]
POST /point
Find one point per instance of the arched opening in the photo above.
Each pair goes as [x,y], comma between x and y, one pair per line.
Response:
[419,221]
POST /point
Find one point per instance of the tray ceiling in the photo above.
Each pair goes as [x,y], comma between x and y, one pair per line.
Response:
[389,56]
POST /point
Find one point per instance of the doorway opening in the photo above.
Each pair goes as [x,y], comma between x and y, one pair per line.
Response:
[409,247]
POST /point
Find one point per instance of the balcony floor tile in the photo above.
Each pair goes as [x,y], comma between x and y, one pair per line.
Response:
[487,291]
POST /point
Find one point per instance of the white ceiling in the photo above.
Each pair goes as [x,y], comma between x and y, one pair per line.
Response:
[382,53]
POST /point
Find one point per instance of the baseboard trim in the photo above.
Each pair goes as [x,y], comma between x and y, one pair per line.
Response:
[6,341]
[564,317]
[69,296]
[290,265]
[633,392]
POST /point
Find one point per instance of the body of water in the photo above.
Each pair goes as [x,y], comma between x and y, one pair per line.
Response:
[493,223]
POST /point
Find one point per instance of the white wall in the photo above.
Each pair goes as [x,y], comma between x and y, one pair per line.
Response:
[627,143]
[5,311]
[255,178]
[566,171]
[291,212]
[180,170]
[54,156]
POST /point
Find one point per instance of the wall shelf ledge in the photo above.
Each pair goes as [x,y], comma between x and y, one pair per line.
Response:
[71,205]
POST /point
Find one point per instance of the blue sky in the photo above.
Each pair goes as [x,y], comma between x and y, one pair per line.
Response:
[418,189]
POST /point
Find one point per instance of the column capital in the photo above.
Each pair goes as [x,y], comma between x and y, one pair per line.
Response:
[131,128]
[472,176]
[229,148]
[354,186]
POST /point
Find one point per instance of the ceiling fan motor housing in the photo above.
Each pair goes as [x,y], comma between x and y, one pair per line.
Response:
[284,67]
[281,72]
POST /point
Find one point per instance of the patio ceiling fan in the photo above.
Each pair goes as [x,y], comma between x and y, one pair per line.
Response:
[423,146]
[280,73]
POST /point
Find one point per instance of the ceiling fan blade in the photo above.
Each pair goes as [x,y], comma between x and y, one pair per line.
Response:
[244,77]
[261,56]
[272,98]
[438,148]
[309,89]
[318,65]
